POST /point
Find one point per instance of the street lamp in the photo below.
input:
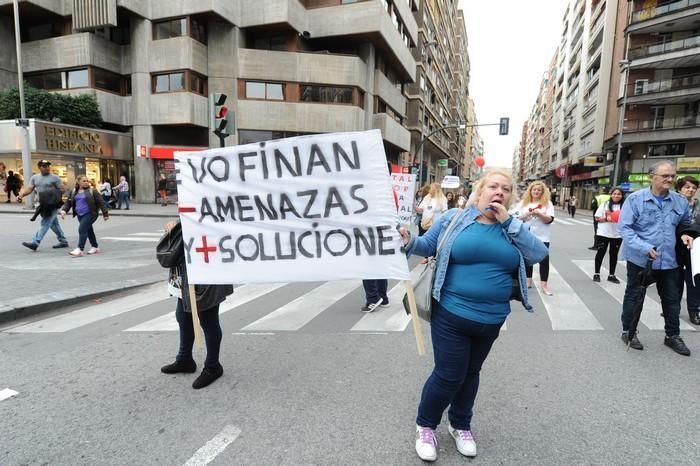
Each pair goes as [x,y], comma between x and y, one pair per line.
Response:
[625,65]
[22,124]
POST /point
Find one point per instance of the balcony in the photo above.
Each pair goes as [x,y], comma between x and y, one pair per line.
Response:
[680,53]
[299,117]
[71,51]
[178,53]
[179,108]
[681,14]
[272,12]
[677,90]
[661,129]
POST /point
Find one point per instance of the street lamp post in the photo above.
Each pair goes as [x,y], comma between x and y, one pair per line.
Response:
[22,125]
[621,122]
[419,149]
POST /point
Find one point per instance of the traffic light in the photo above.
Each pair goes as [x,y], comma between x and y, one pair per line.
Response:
[219,115]
[503,127]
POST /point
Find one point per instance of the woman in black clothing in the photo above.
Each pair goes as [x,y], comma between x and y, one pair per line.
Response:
[209,297]
[607,216]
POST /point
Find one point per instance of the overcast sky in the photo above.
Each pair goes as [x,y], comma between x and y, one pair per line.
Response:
[510,45]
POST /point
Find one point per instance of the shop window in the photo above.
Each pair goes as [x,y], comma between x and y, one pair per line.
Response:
[267,91]
[170,28]
[326,94]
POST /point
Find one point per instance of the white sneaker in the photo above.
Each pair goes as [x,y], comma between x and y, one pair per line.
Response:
[426,443]
[93,251]
[77,252]
[464,440]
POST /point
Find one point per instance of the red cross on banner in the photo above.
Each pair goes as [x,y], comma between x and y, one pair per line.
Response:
[205,250]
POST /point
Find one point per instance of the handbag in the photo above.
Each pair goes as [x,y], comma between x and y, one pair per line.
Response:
[170,250]
[423,285]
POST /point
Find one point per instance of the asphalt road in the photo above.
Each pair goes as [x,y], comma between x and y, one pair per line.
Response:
[558,388]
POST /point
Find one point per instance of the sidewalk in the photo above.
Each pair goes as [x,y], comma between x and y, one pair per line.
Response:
[136,210]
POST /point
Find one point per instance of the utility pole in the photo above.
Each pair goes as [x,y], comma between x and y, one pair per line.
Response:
[22,124]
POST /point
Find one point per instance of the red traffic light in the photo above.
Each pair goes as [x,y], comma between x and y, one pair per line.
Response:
[223,111]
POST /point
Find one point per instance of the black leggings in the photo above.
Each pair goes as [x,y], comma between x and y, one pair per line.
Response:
[603,242]
[544,268]
[209,321]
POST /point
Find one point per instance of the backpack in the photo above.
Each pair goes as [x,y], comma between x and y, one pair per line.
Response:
[50,198]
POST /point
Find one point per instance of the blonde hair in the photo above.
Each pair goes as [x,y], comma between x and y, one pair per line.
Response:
[438,189]
[527,195]
[481,182]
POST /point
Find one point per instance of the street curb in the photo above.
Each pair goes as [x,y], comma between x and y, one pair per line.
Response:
[24,307]
[111,214]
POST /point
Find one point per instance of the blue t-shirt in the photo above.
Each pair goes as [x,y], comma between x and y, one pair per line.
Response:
[479,277]
[81,204]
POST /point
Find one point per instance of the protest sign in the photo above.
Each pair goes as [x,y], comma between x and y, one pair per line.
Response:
[309,208]
[404,187]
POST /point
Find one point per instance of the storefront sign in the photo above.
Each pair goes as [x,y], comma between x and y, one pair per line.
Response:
[688,163]
[594,161]
[605,180]
[638,178]
[561,171]
[74,140]
[599,173]
[167,153]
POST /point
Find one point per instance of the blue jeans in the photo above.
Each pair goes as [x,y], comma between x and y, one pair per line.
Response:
[668,283]
[460,347]
[209,321]
[52,223]
[375,290]
[85,230]
[123,198]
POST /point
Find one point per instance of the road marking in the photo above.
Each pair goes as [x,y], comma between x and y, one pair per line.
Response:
[119,238]
[580,222]
[392,318]
[240,296]
[564,222]
[94,313]
[566,310]
[254,333]
[214,447]
[651,310]
[6,393]
[157,235]
[295,314]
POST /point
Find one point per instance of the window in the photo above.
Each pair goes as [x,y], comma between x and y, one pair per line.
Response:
[271,43]
[267,91]
[199,30]
[76,78]
[170,28]
[247,136]
[92,77]
[326,94]
[641,86]
[666,150]
[108,81]
[180,81]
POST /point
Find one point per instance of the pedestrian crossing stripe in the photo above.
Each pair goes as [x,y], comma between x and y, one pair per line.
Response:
[565,309]
[651,311]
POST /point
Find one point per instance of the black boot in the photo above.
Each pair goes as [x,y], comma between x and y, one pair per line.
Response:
[208,375]
[187,367]
[694,317]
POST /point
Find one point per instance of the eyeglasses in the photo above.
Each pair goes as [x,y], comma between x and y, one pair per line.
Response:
[666,177]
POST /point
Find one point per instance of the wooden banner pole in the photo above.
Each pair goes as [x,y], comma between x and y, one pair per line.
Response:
[195,318]
[420,342]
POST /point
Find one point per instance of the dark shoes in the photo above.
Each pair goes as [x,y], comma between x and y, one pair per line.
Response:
[186,367]
[60,245]
[208,375]
[596,277]
[694,317]
[676,344]
[613,279]
[593,248]
[32,246]
[634,343]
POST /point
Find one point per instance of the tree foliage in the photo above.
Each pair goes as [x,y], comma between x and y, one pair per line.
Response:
[81,110]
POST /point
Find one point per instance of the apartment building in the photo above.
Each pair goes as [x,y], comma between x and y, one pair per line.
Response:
[439,96]
[661,42]
[288,67]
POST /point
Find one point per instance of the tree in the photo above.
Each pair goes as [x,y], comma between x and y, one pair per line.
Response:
[81,110]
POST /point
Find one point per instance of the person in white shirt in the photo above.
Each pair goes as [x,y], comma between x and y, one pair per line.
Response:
[537,211]
[432,206]
[607,216]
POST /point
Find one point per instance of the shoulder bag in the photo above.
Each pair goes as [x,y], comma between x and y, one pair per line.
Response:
[423,285]
[170,250]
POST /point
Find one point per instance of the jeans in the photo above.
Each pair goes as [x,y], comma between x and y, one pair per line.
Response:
[106,198]
[123,198]
[544,268]
[668,283]
[460,347]
[602,243]
[693,298]
[52,223]
[375,290]
[85,230]
[209,321]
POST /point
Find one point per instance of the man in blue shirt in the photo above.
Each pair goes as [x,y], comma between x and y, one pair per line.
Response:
[648,223]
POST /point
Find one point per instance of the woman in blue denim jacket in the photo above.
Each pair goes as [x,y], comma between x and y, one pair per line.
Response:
[471,292]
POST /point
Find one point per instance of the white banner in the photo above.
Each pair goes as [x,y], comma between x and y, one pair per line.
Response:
[404,188]
[310,208]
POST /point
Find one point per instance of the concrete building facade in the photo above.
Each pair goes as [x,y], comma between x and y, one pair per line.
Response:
[288,67]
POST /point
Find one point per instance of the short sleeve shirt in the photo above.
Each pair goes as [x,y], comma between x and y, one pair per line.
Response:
[43,183]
